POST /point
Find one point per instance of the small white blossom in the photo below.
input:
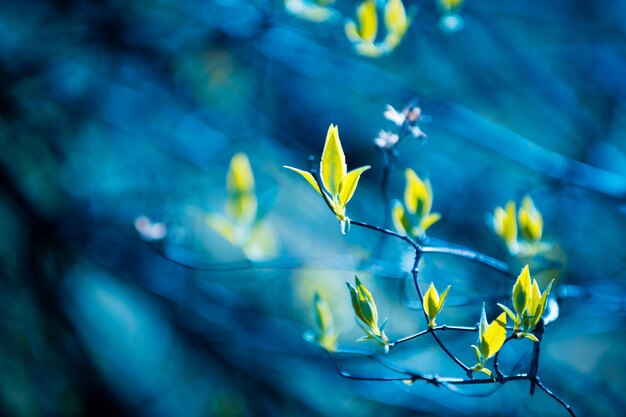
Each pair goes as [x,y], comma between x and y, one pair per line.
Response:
[148,230]
[408,118]
[386,139]
[395,116]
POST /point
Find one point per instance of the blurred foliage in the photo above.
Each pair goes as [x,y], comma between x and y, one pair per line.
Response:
[115,110]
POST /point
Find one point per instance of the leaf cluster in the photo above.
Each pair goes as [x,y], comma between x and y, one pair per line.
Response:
[337,184]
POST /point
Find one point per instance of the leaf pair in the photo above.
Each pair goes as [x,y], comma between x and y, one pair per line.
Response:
[367,315]
[338,184]
[363,35]
[530,221]
[528,303]
[241,225]
[433,303]
[491,337]
[326,336]
[414,217]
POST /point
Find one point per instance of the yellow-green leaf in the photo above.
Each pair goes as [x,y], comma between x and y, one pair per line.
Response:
[443,296]
[510,229]
[239,178]
[223,227]
[483,324]
[369,49]
[431,304]
[333,164]
[429,220]
[479,354]
[348,185]
[352,32]
[510,314]
[530,220]
[368,20]
[542,303]
[354,298]
[494,336]
[535,298]
[418,196]
[395,17]
[367,304]
[307,176]
[531,337]
[326,336]
[261,243]
[242,208]
[399,218]
[522,291]
[499,221]
[413,190]
[323,316]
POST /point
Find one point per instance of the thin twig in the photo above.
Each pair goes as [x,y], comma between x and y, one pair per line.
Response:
[414,273]
[554,396]
[400,236]
[433,329]
[471,255]
[534,362]
[496,365]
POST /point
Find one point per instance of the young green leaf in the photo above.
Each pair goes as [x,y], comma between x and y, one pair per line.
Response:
[239,178]
[417,195]
[399,218]
[223,227]
[368,20]
[326,335]
[530,220]
[415,217]
[429,220]
[367,304]
[522,291]
[493,337]
[338,184]
[333,164]
[367,314]
[348,184]
[433,303]
[510,314]
[307,176]
[395,17]
[354,298]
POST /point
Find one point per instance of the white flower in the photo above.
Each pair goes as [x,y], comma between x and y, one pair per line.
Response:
[408,118]
[395,116]
[150,231]
[386,139]
[417,132]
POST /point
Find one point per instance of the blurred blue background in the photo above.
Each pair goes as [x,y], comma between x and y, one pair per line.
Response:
[112,110]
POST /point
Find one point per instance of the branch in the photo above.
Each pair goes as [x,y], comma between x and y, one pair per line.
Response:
[414,273]
[433,329]
[466,253]
[556,397]
[400,236]
[496,366]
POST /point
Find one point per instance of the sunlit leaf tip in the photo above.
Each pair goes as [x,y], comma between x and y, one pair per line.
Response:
[239,178]
[433,303]
[337,184]
[326,335]
[367,314]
